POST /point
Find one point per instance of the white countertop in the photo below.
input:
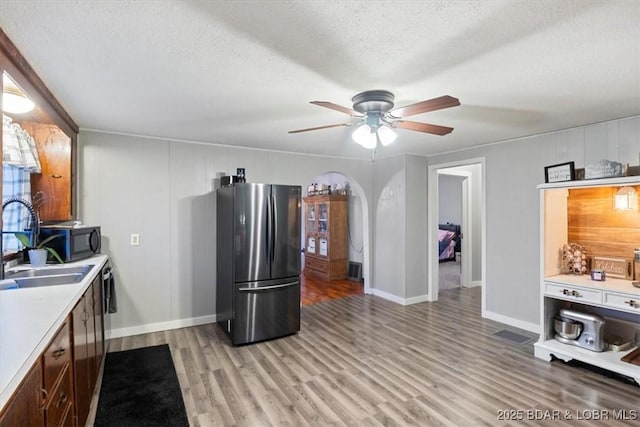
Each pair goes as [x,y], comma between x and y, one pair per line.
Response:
[29,319]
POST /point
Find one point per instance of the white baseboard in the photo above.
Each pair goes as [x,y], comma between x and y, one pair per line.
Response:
[399,300]
[527,326]
[416,300]
[474,284]
[162,326]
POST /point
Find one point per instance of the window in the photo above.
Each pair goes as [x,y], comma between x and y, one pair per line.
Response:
[20,159]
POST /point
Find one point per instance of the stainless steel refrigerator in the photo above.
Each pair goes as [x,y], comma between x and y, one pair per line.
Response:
[258,261]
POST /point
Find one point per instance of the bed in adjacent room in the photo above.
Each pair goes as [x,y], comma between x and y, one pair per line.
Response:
[448,241]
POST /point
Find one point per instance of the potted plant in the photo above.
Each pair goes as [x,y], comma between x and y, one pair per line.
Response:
[38,253]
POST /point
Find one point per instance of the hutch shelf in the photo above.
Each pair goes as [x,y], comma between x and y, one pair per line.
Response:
[583,212]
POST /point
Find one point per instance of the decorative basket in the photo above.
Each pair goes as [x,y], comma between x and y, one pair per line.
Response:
[574,259]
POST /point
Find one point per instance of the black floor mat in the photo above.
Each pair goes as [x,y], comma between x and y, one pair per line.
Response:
[140,388]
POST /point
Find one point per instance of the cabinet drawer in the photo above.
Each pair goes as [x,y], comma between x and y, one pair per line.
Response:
[573,293]
[60,400]
[67,418]
[623,301]
[56,356]
[316,264]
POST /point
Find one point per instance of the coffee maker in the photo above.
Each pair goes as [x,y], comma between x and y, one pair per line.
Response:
[580,329]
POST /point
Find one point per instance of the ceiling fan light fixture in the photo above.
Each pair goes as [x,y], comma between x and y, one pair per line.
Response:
[365,135]
[13,99]
[16,103]
[386,135]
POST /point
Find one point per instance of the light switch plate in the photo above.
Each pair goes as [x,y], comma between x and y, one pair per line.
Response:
[135,239]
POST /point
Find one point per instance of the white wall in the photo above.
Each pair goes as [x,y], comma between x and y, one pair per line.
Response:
[513,170]
[389,231]
[163,191]
[416,230]
[450,199]
[400,228]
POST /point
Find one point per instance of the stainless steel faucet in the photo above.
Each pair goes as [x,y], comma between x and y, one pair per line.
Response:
[35,224]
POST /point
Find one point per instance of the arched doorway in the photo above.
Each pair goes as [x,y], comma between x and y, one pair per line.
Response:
[358,230]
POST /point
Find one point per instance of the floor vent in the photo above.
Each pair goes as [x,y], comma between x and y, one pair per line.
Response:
[355,271]
[513,337]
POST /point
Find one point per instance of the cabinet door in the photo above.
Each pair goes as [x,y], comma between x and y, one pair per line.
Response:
[323,218]
[56,356]
[26,407]
[60,400]
[98,316]
[55,180]
[91,339]
[310,227]
[81,361]
[310,218]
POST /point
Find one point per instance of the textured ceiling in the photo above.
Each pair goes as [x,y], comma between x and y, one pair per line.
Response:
[242,73]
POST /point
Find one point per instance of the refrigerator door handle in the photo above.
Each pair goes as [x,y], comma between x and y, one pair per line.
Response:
[267,288]
[268,239]
[274,228]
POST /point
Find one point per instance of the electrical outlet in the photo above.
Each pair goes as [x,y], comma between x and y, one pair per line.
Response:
[135,239]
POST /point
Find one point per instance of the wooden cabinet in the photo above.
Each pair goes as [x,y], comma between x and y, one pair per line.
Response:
[58,389]
[26,407]
[326,236]
[58,383]
[583,212]
[98,314]
[88,336]
[55,180]
[84,354]
[45,397]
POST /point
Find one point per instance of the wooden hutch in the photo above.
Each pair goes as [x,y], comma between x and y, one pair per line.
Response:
[326,236]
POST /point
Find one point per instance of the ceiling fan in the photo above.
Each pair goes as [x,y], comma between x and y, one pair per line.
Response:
[375,116]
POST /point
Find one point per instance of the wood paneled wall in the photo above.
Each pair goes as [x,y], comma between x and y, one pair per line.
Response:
[603,230]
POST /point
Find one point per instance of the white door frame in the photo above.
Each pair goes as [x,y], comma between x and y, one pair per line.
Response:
[432,232]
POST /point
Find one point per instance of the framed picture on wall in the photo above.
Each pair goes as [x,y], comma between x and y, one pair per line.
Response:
[560,172]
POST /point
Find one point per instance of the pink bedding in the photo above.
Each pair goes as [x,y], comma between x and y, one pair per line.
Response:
[446,244]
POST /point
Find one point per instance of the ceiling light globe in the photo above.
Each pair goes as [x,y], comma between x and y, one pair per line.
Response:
[364,136]
[16,104]
[386,135]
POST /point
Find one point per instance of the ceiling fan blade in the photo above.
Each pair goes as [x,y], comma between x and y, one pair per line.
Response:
[421,127]
[320,127]
[336,107]
[424,106]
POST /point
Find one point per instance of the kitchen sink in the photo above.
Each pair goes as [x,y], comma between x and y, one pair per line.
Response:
[48,276]
[48,272]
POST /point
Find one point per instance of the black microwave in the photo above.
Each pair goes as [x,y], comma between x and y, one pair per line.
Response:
[74,243]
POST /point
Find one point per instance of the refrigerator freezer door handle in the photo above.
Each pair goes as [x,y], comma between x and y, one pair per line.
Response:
[268,245]
[267,288]
[274,228]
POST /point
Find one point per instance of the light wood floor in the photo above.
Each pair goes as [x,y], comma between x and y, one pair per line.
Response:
[365,361]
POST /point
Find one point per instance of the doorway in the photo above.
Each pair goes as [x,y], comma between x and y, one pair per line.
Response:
[471,179]
[357,241]
[453,224]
